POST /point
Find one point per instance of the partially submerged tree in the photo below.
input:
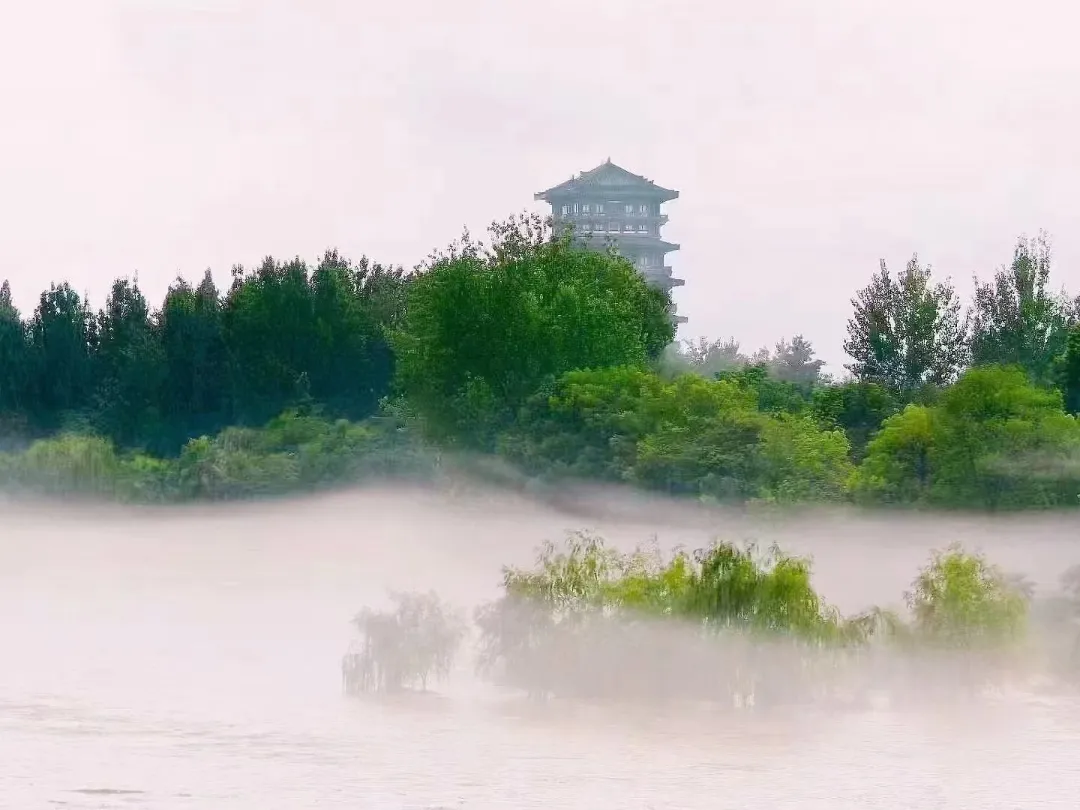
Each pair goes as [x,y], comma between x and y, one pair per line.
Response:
[411,644]
[961,601]
[576,622]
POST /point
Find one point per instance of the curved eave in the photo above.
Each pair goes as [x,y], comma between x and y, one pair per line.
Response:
[558,193]
[645,241]
[626,239]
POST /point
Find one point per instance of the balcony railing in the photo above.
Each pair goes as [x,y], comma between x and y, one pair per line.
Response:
[659,219]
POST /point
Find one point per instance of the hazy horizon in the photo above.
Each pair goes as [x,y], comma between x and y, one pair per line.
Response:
[807,142]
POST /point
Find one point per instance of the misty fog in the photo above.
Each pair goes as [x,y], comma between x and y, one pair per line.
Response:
[193,654]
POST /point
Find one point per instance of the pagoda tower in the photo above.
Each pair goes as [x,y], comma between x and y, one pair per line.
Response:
[608,204]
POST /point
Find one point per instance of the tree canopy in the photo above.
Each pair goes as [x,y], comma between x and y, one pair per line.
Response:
[557,360]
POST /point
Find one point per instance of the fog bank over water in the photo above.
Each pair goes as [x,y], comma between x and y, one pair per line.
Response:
[406,537]
[193,655]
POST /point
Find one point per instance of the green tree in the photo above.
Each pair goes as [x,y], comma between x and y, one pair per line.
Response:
[1005,442]
[14,358]
[959,600]
[195,387]
[270,332]
[803,462]
[484,328]
[1068,371]
[774,395]
[350,366]
[62,339]
[685,436]
[905,332]
[898,465]
[858,408]
[1015,319]
[994,441]
[130,367]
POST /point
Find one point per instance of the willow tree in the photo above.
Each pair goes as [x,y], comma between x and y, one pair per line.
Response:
[411,644]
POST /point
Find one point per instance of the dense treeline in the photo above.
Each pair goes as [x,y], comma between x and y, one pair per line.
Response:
[556,358]
[281,334]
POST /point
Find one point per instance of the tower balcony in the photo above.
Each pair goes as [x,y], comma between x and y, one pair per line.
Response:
[659,220]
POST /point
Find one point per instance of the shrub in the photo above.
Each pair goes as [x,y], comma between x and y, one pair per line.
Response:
[961,601]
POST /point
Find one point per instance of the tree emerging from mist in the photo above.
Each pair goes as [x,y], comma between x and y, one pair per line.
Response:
[720,623]
[410,645]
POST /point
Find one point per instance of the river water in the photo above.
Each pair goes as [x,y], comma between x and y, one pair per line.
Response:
[186,659]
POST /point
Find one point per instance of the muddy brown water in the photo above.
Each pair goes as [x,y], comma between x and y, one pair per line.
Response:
[178,659]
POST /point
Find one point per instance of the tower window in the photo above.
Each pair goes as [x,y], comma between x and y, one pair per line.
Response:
[643,209]
[629,208]
[599,208]
[565,210]
[642,227]
[585,208]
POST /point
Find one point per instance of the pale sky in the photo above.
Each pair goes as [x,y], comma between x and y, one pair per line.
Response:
[807,139]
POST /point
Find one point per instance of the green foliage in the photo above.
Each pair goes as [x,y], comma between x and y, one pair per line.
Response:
[65,465]
[195,390]
[724,585]
[1067,371]
[293,452]
[283,336]
[1016,319]
[556,359]
[897,467]
[565,624]
[485,328]
[802,463]
[62,337]
[961,601]
[686,436]
[15,360]
[130,367]
[906,332]
[857,408]
[993,441]
[773,395]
